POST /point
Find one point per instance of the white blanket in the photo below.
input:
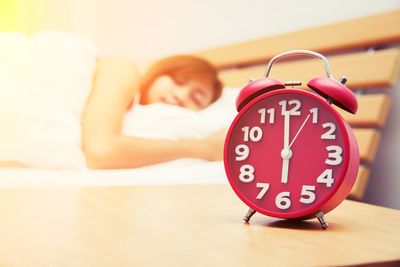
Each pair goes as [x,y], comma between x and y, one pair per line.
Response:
[44,83]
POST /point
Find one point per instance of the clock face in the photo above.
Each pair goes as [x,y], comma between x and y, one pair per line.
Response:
[286,153]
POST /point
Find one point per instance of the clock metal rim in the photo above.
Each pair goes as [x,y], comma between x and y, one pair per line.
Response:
[339,191]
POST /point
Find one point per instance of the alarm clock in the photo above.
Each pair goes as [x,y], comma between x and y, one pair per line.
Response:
[288,153]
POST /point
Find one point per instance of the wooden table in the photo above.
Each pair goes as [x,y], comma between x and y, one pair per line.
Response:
[185,225]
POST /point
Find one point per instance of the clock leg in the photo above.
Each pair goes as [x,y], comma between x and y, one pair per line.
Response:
[248,215]
[321,219]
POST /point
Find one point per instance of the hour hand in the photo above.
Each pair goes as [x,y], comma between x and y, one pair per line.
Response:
[286,154]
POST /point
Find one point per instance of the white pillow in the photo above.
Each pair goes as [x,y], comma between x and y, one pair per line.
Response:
[45,81]
[162,121]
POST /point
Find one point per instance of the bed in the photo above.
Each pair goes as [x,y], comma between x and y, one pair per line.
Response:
[349,54]
[45,82]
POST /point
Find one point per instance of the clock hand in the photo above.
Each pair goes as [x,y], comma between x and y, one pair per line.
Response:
[285,171]
[301,127]
[286,153]
[286,131]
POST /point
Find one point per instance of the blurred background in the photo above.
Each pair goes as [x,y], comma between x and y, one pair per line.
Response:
[147,30]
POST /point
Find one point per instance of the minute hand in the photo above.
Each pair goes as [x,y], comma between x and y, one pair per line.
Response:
[285,153]
[286,130]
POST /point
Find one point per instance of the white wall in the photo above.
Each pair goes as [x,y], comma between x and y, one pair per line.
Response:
[155,28]
[148,29]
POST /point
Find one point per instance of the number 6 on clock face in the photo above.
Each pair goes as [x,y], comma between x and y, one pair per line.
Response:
[287,153]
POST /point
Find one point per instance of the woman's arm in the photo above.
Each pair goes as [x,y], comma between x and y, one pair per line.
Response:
[115,85]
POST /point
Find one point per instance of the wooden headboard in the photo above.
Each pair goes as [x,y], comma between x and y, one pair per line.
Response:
[366,50]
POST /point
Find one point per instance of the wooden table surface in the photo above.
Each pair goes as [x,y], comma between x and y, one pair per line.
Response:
[182,225]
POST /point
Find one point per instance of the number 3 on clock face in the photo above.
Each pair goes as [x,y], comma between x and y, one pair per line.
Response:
[286,153]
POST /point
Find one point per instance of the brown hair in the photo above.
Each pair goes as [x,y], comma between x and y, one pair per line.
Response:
[183,67]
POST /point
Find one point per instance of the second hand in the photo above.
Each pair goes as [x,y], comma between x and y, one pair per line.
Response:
[291,143]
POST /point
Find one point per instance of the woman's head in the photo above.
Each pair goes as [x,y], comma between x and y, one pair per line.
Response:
[186,81]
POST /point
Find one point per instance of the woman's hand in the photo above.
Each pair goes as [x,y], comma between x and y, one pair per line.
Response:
[212,146]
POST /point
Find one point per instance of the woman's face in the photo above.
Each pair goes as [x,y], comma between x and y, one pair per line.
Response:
[190,94]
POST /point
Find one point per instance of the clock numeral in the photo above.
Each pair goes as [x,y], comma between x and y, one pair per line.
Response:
[246,173]
[308,192]
[264,188]
[294,110]
[314,112]
[335,157]
[282,200]
[330,133]
[271,113]
[326,178]
[255,133]
[242,152]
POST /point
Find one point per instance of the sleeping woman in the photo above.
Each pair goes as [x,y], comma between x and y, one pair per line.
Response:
[185,81]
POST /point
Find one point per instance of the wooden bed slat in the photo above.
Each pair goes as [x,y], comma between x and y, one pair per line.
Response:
[364,70]
[372,111]
[357,192]
[368,141]
[357,33]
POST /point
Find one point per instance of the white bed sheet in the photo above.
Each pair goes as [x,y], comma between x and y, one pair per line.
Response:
[183,171]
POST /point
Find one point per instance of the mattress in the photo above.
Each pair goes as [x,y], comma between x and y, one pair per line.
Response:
[183,171]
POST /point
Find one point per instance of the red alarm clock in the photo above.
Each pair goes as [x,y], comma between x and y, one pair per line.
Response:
[288,153]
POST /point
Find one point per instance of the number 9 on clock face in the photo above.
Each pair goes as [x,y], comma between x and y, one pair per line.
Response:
[286,153]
